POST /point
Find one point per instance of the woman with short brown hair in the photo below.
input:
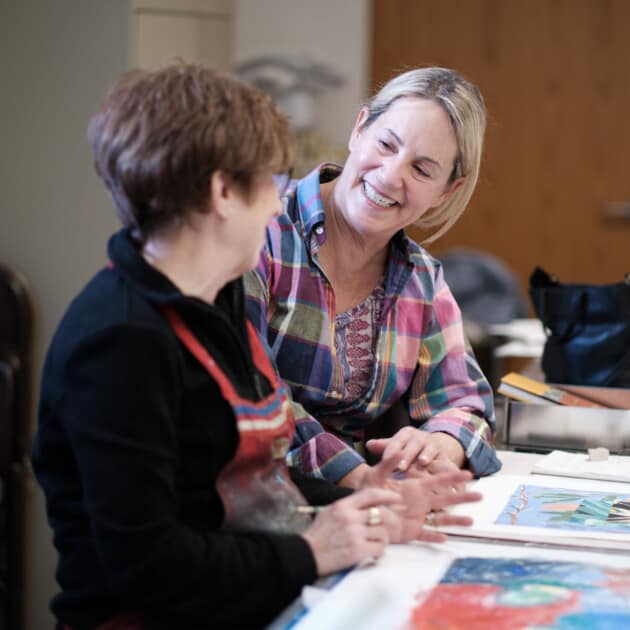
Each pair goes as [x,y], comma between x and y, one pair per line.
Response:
[163,428]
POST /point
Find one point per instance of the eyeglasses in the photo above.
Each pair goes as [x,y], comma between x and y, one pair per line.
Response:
[282,182]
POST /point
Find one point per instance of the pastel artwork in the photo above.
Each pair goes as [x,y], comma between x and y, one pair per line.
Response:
[513,593]
[584,510]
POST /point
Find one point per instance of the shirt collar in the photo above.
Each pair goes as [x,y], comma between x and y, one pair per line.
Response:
[127,261]
[309,198]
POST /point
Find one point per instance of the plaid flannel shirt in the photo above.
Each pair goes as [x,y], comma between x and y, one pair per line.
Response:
[422,355]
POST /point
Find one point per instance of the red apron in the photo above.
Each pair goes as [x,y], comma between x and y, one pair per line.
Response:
[255,487]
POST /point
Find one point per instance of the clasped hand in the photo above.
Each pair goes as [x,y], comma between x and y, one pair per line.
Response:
[420,451]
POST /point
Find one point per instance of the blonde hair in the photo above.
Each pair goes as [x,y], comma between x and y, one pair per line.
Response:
[464,106]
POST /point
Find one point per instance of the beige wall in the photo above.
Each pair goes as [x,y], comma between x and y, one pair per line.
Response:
[57,59]
[333,32]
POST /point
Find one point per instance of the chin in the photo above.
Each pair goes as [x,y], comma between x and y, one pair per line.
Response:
[368,218]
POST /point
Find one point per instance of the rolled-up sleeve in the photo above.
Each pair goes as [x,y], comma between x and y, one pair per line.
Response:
[315,452]
[449,393]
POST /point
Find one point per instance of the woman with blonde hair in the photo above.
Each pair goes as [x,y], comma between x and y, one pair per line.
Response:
[359,318]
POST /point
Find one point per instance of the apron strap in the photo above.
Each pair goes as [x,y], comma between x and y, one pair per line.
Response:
[261,360]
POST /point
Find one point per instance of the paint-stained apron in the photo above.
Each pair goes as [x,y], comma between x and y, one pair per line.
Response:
[255,487]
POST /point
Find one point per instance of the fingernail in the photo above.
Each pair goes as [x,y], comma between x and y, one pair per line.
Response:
[402,464]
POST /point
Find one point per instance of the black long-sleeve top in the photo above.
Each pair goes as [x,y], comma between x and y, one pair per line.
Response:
[132,435]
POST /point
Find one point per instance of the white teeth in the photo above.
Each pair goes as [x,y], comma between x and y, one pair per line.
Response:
[372,195]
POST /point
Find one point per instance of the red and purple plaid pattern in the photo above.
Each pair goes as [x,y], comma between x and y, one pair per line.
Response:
[421,353]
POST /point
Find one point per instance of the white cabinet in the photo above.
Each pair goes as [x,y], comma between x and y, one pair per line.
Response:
[198,31]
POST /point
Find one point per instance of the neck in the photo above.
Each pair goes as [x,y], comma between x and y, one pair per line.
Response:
[185,257]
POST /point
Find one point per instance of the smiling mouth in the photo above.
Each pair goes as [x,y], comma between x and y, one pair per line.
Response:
[375,197]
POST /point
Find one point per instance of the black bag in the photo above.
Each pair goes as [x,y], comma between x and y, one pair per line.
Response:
[588,330]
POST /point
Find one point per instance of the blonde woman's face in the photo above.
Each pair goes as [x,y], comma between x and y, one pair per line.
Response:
[398,167]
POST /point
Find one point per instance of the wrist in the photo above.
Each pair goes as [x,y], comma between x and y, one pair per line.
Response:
[451,448]
[355,479]
[316,552]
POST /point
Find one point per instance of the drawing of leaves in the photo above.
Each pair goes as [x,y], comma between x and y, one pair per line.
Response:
[559,497]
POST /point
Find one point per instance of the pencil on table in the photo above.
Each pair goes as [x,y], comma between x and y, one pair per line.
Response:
[309,509]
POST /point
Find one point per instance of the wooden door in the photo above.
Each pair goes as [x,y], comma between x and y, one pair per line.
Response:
[555,75]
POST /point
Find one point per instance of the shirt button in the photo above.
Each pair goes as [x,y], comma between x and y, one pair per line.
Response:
[319,230]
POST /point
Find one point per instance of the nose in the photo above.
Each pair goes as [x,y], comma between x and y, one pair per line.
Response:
[391,173]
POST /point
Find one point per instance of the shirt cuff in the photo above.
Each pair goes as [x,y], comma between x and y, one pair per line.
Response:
[296,556]
[325,456]
[481,456]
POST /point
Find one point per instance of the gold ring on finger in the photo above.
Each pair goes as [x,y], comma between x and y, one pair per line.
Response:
[374,516]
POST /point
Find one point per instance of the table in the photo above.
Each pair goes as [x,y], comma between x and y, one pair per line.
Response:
[514,463]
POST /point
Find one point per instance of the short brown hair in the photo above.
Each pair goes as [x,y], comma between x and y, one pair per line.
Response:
[159,135]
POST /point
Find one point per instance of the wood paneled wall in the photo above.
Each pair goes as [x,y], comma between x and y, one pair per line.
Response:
[555,75]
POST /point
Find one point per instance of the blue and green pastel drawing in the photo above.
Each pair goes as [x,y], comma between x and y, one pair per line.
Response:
[585,510]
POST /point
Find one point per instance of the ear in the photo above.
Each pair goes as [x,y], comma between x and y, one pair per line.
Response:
[222,192]
[450,189]
[358,127]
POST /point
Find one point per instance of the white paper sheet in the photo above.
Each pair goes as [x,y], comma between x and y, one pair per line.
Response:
[383,595]
[497,492]
[564,464]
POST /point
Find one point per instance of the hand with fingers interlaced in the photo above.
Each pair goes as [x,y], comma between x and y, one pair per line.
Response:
[426,500]
[425,496]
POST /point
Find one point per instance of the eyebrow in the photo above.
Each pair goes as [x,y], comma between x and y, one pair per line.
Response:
[420,158]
